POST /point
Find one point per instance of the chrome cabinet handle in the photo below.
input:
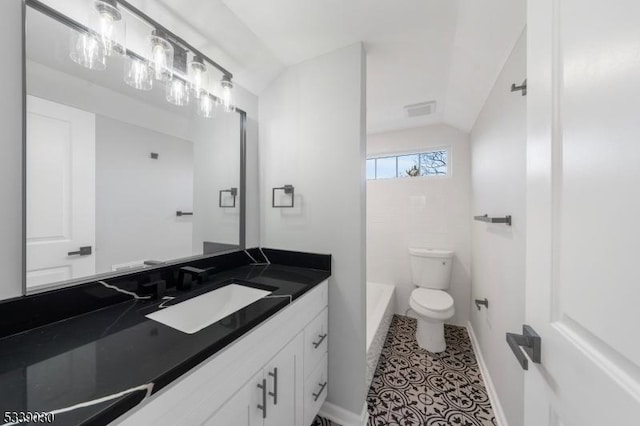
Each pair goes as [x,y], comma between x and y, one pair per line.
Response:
[317,395]
[274,394]
[263,407]
[319,342]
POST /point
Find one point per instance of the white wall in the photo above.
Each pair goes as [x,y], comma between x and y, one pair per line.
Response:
[216,167]
[420,212]
[498,143]
[137,197]
[11,238]
[312,136]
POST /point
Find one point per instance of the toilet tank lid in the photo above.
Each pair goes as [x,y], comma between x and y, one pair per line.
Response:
[427,252]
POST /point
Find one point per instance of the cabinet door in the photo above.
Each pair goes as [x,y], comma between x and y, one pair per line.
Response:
[241,408]
[284,385]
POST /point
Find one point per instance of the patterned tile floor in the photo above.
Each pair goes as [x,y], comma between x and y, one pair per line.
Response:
[414,387]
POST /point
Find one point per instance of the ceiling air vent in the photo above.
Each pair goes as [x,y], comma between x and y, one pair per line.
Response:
[423,108]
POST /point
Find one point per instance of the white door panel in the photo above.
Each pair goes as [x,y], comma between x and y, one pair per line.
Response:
[583,205]
[60,191]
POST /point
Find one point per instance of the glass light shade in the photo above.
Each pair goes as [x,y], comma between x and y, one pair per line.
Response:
[161,58]
[138,74]
[177,92]
[197,76]
[206,106]
[226,87]
[107,22]
[87,50]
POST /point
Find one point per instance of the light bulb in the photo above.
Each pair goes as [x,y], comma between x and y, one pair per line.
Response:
[227,94]
[197,75]
[206,106]
[87,50]
[110,26]
[177,92]
[161,56]
[138,74]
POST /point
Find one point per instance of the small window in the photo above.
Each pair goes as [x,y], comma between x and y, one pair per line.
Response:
[386,168]
[371,169]
[409,165]
[431,163]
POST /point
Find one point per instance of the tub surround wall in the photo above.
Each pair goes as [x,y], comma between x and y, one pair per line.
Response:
[312,136]
[420,212]
[498,153]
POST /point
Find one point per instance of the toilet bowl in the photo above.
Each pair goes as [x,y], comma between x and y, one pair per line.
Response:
[433,308]
[431,272]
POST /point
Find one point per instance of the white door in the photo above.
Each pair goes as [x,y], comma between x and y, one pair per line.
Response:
[60,192]
[583,212]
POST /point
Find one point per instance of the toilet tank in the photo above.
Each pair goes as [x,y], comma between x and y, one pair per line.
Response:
[431,268]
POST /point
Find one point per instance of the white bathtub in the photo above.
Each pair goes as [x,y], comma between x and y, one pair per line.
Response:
[380,305]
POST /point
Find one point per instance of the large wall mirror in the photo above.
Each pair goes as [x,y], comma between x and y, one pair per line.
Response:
[130,160]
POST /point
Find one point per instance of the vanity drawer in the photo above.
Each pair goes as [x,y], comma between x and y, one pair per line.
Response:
[316,337]
[315,390]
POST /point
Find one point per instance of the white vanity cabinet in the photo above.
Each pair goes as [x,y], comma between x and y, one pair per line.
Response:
[268,398]
[272,376]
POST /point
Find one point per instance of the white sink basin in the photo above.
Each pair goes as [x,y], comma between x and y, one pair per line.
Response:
[197,313]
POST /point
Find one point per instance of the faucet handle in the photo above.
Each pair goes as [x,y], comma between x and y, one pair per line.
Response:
[156,288]
[194,274]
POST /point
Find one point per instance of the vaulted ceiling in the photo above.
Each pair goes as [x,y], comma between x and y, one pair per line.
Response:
[448,51]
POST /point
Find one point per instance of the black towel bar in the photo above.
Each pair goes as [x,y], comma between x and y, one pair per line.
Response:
[486,218]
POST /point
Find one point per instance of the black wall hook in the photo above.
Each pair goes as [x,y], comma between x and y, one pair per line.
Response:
[522,87]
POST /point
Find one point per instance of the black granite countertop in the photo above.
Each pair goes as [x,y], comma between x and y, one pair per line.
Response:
[115,348]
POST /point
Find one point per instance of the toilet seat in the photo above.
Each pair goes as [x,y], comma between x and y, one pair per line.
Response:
[435,304]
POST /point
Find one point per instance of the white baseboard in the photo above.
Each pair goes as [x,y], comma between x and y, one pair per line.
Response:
[344,417]
[491,390]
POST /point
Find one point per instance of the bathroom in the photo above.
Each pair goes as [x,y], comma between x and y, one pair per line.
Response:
[364,213]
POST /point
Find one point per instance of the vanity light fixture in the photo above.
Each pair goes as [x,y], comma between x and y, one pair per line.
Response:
[110,28]
[206,106]
[161,55]
[227,93]
[165,61]
[177,89]
[87,50]
[197,75]
[137,73]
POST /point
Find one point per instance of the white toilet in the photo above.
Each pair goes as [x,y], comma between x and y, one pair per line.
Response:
[431,271]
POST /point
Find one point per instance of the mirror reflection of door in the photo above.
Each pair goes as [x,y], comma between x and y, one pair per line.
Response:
[60,192]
